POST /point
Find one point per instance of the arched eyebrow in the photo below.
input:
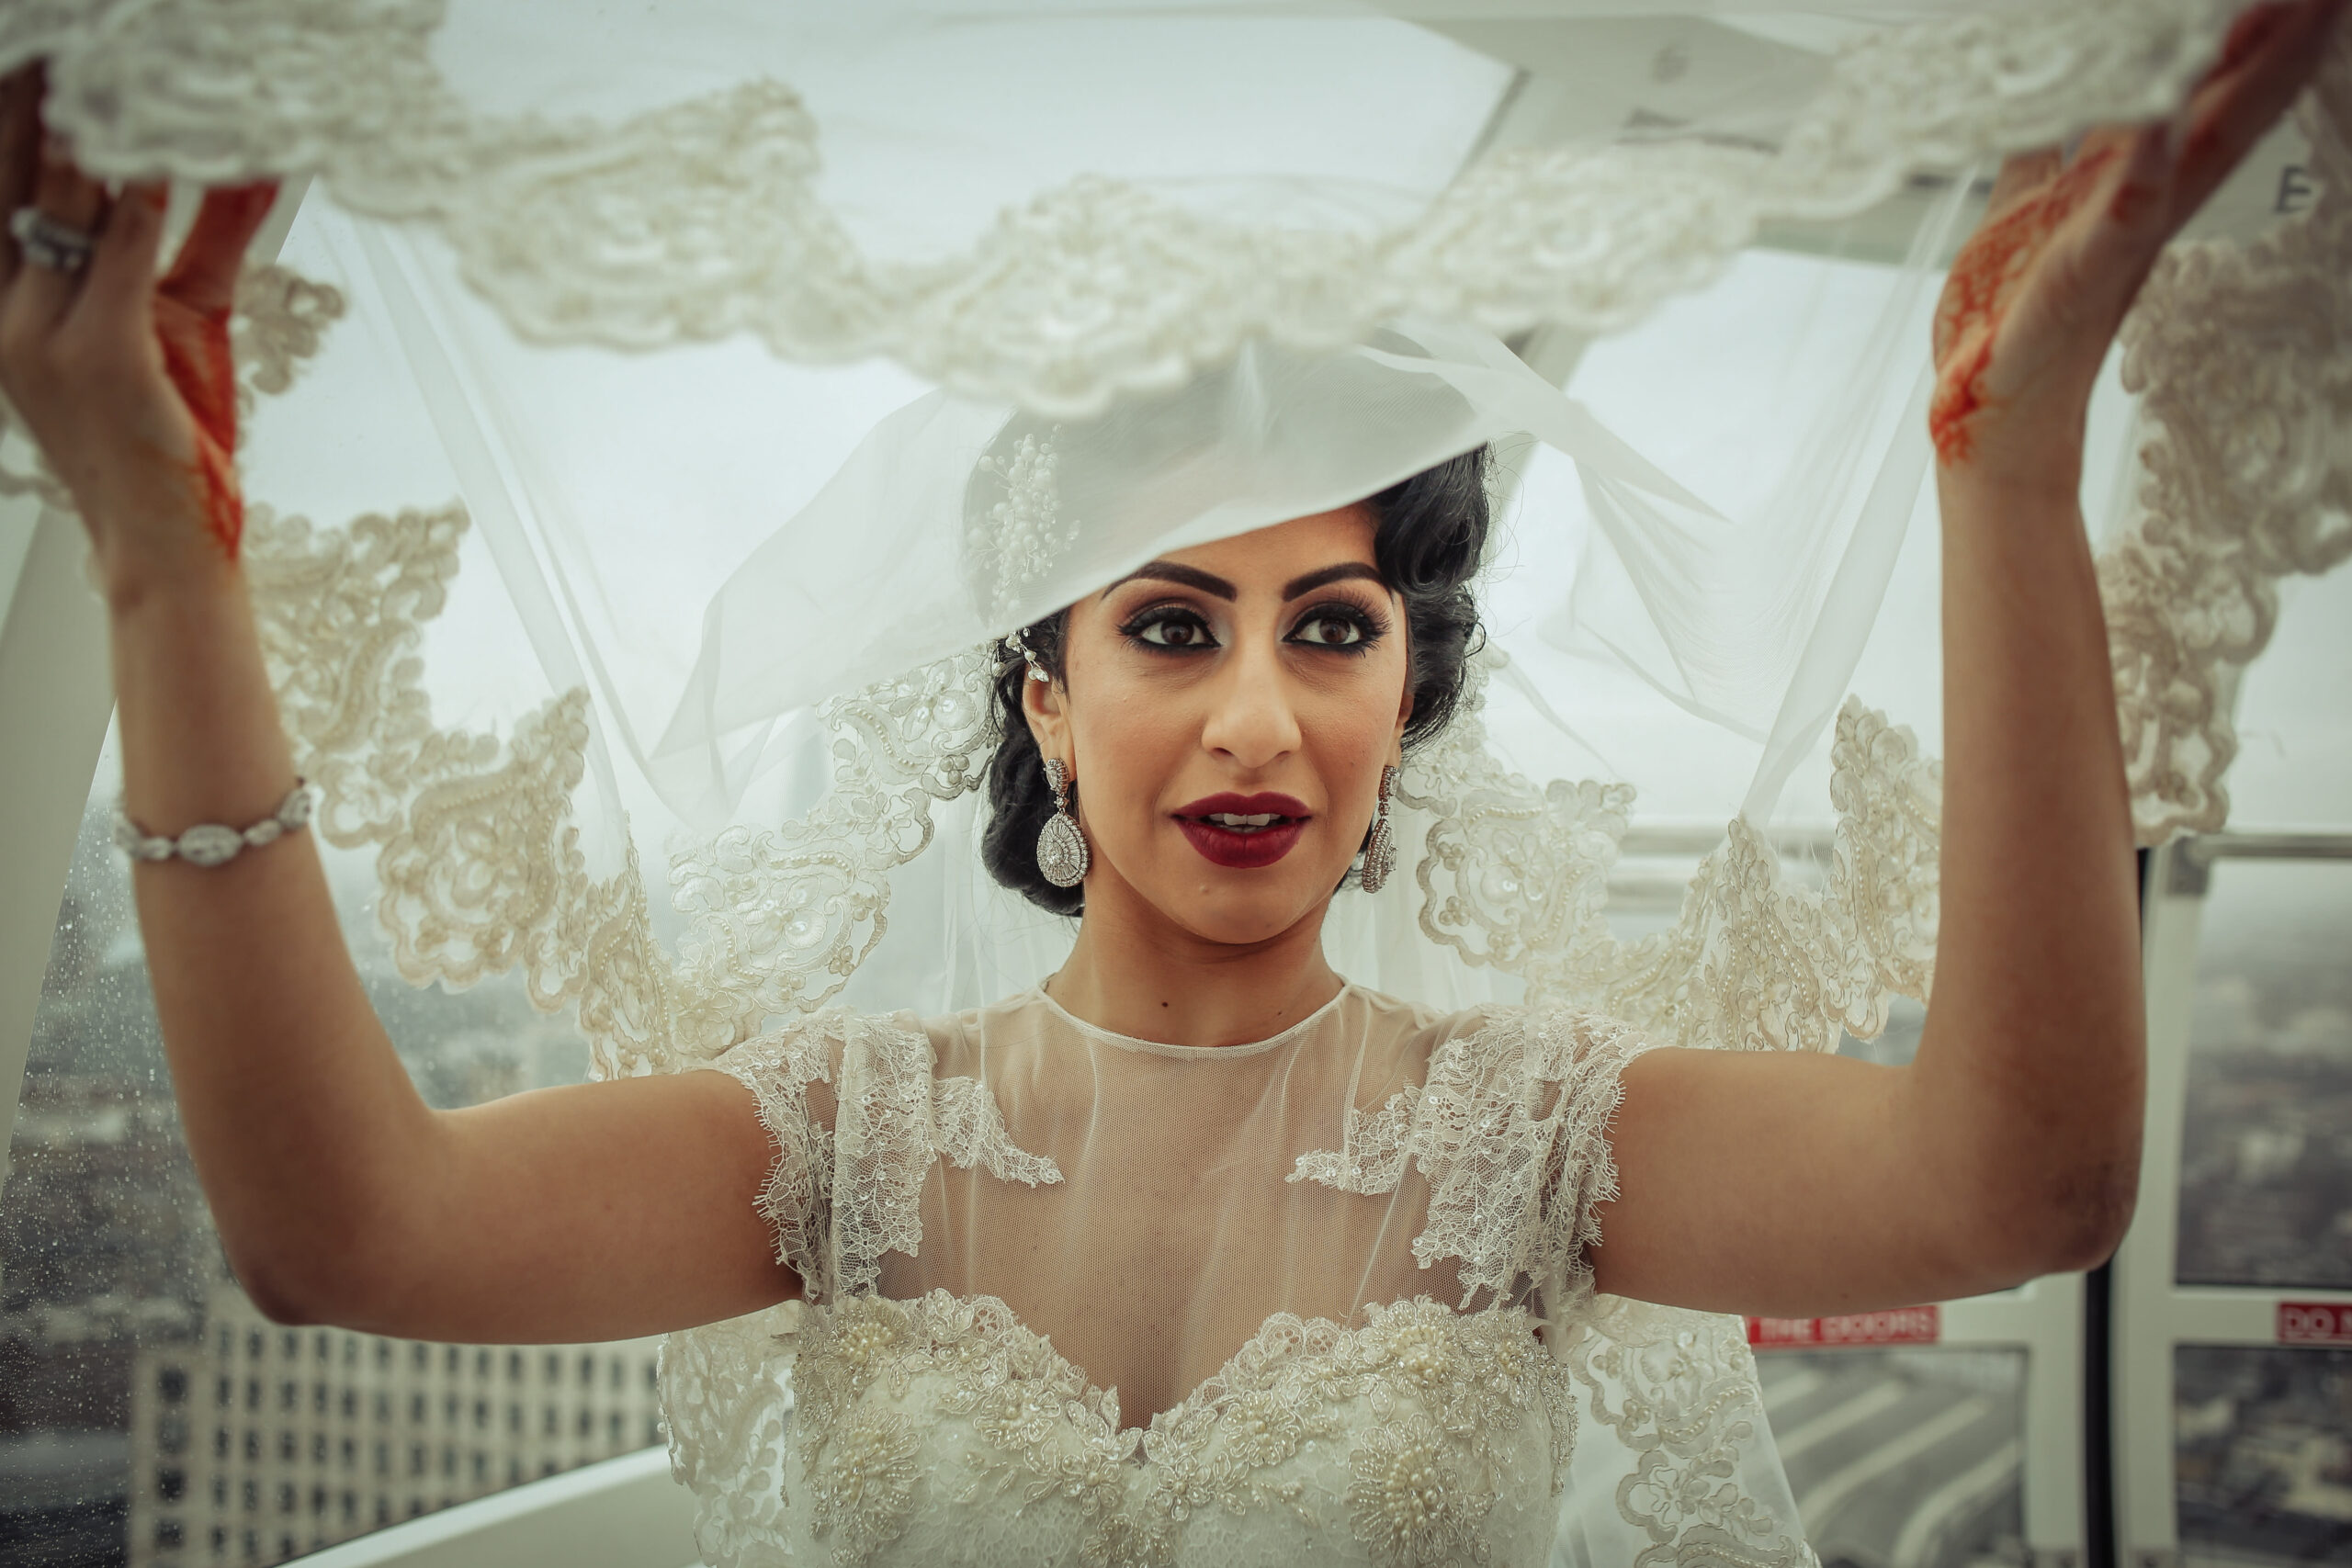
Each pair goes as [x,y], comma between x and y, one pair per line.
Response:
[1342,572]
[1208,582]
[1191,577]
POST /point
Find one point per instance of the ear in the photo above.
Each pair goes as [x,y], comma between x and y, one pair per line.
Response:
[1045,705]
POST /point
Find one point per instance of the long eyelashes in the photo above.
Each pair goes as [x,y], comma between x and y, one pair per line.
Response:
[1335,626]
[1340,626]
[1169,628]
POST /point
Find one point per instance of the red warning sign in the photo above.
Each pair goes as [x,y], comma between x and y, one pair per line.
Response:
[1902,1326]
[2315,1323]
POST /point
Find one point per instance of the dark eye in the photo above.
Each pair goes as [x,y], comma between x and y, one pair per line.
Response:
[1171,628]
[1330,629]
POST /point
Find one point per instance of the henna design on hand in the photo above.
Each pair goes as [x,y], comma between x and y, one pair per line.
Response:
[192,311]
[1985,278]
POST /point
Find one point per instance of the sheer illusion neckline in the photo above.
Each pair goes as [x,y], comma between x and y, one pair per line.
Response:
[1194,1053]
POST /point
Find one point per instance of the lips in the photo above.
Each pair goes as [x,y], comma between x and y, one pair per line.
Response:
[1222,827]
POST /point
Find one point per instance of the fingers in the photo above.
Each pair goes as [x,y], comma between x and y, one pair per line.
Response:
[2142,204]
[2136,219]
[19,153]
[204,278]
[38,296]
[2272,53]
[123,272]
[2252,27]
[2022,173]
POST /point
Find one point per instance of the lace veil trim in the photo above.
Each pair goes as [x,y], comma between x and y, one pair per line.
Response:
[2241,355]
[483,874]
[349,90]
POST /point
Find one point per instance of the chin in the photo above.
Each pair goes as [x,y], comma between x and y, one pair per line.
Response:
[1241,920]
[1240,909]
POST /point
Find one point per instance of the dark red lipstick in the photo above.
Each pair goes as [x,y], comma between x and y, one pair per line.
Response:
[1219,826]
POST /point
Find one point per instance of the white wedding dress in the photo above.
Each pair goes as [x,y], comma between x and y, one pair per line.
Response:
[1079,1298]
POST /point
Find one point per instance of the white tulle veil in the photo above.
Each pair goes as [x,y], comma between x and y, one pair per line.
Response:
[625,551]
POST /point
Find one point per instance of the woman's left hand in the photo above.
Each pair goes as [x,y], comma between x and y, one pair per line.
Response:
[2035,295]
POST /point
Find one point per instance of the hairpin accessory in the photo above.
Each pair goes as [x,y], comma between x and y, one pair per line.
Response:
[1037,670]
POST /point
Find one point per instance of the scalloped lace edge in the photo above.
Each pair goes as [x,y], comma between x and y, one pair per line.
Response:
[348,89]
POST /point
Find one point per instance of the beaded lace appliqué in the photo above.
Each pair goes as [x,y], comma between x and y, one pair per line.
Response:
[1421,1409]
[1514,1148]
[1021,536]
[1450,1395]
[839,1197]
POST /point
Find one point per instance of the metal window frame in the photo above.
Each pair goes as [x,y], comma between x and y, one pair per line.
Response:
[2044,1318]
[2154,1313]
[56,695]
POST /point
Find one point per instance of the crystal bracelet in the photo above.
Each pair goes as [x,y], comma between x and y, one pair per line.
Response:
[210,843]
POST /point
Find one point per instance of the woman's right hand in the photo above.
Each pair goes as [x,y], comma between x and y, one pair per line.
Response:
[124,379]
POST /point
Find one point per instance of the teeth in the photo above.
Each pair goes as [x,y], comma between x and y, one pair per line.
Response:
[1233,819]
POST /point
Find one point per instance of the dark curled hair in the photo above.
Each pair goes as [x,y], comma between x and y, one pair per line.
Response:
[1428,534]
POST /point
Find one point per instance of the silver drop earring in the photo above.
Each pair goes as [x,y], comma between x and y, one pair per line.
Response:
[1061,848]
[1380,850]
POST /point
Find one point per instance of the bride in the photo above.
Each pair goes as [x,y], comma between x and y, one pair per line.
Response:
[1194,1252]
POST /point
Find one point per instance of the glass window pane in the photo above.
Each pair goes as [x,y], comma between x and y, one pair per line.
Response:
[149,1415]
[1903,1458]
[2263,1455]
[2266,1172]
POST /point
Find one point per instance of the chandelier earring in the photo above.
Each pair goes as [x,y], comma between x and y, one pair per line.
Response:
[1380,847]
[1062,855]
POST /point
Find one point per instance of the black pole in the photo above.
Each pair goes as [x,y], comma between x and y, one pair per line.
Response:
[2098,1419]
[2100,1550]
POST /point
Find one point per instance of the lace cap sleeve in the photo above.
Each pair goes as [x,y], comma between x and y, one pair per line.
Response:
[1584,1056]
[793,1073]
[1511,1132]
[858,1115]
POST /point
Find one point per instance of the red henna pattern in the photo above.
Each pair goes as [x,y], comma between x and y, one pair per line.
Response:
[1976,298]
[198,364]
[197,357]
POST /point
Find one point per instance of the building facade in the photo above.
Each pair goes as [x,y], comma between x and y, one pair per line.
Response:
[254,1443]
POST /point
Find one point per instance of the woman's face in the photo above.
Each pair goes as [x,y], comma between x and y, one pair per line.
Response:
[1226,713]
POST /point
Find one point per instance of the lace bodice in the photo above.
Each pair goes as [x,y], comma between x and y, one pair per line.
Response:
[1074,1297]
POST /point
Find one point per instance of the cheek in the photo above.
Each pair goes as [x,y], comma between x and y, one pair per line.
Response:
[1129,742]
[1354,743]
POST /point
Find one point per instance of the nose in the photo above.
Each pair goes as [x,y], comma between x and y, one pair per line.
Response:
[1250,719]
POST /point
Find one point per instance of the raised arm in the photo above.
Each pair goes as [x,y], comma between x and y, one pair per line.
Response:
[1796,1184]
[592,1212]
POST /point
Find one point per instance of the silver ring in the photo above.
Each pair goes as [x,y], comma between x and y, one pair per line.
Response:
[50,243]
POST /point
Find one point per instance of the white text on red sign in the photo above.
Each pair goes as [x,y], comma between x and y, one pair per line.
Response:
[2315,1323]
[1904,1325]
